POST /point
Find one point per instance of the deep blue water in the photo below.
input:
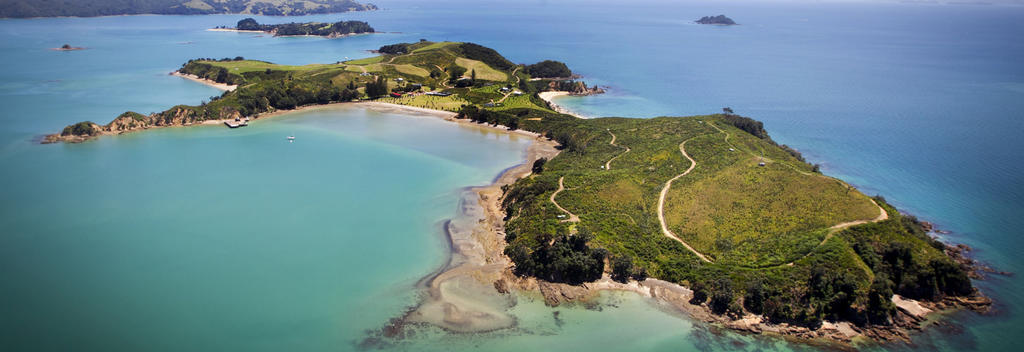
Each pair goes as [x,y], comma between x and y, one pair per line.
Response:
[919,103]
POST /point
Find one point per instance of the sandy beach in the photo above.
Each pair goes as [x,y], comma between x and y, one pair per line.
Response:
[210,83]
[549,97]
[232,30]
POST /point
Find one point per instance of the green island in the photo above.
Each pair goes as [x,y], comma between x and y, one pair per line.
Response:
[36,8]
[336,29]
[719,20]
[758,237]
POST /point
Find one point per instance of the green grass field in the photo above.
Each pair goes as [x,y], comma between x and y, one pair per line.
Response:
[244,66]
[449,103]
[483,71]
[435,46]
[366,61]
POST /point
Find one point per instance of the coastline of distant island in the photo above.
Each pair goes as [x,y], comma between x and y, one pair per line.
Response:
[867,270]
[318,29]
[95,8]
[68,47]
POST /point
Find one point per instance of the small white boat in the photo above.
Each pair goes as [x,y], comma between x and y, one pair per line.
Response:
[291,139]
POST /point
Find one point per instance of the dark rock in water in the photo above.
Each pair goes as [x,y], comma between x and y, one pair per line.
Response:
[720,19]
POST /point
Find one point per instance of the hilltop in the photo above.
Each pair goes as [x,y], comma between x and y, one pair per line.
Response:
[33,8]
[732,222]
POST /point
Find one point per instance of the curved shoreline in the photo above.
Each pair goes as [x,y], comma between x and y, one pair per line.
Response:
[551,95]
[211,83]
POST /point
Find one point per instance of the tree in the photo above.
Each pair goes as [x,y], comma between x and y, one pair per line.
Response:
[755,297]
[472,77]
[880,306]
[622,268]
[727,110]
[538,166]
[700,293]
[377,88]
[722,297]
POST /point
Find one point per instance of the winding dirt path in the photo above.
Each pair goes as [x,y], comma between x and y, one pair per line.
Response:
[661,202]
[608,165]
[561,187]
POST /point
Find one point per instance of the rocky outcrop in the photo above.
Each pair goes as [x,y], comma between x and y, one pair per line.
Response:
[578,88]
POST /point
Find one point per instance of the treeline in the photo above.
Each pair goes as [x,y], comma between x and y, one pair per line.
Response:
[476,114]
[394,49]
[53,8]
[262,97]
[749,125]
[308,28]
[486,55]
[548,69]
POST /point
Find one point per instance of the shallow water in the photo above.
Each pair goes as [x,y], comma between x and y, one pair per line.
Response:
[213,239]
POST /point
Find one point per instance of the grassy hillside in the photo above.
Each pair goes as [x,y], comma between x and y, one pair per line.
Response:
[779,239]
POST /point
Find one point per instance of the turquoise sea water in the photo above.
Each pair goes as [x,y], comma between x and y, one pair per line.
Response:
[212,239]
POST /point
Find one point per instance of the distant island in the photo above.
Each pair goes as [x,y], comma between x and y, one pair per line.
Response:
[720,19]
[706,214]
[92,8]
[337,29]
[68,47]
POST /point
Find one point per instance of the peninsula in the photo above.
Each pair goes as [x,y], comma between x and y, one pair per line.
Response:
[706,214]
[719,20]
[92,8]
[332,30]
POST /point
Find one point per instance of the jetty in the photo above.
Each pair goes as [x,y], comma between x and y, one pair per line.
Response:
[237,123]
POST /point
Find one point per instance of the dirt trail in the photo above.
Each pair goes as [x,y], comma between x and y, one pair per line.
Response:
[661,202]
[608,165]
[561,187]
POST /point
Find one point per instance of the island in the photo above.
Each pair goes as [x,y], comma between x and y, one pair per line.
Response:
[92,8]
[706,214]
[68,47]
[719,20]
[330,30]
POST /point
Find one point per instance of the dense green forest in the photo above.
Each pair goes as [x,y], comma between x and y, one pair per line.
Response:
[90,8]
[762,239]
[308,28]
[549,69]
